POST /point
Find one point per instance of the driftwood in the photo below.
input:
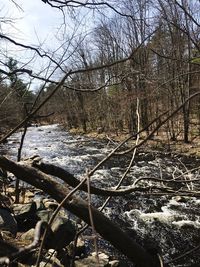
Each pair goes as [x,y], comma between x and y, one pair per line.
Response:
[105,227]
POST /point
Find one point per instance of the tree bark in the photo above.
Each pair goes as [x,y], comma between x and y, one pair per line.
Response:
[106,228]
[70,180]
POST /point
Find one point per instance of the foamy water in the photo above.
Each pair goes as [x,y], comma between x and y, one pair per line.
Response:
[171,224]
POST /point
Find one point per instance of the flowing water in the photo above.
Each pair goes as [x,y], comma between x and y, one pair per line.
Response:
[168,225]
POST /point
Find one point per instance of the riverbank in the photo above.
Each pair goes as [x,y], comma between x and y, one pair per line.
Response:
[21,229]
[159,142]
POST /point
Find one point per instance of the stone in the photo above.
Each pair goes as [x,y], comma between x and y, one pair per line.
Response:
[27,208]
[80,248]
[39,204]
[25,215]
[50,204]
[54,262]
[29,235]
[114,263]
[92,261]
[102,256]
[29,194]
[64,232]
[180,199]
[44,215]
[7,221]
[21,265]
[100,130]
[51,261]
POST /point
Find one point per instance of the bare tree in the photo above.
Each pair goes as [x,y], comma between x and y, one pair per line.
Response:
[121,63]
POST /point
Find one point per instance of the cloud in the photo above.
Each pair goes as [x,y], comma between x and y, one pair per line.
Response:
[34,24]
[36,21]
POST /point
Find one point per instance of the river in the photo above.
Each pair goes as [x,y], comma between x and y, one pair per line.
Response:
[169,225]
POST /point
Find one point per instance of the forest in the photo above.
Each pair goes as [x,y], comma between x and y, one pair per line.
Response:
[126,72]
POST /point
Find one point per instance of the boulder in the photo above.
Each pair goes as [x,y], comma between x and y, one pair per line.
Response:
[64,232]
[7,221]
[25,215]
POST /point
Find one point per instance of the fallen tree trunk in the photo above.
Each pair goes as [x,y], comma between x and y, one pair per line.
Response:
[105,227]
[68,178]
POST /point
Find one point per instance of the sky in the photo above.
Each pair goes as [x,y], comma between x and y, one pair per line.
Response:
[33,16]
[35,23]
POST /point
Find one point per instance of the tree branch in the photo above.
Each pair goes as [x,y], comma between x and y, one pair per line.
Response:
[108,230]
[159,125]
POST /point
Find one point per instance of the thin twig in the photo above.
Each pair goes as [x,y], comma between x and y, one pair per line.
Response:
[17,191]
[54,216]
[124,142]
[22,251]
[31,114]
[132,159]
[94,234]
[173,113]
[185,176]
[184,254]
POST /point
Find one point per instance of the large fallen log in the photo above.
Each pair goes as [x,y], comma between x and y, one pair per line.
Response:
[105,227]
[71,180]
